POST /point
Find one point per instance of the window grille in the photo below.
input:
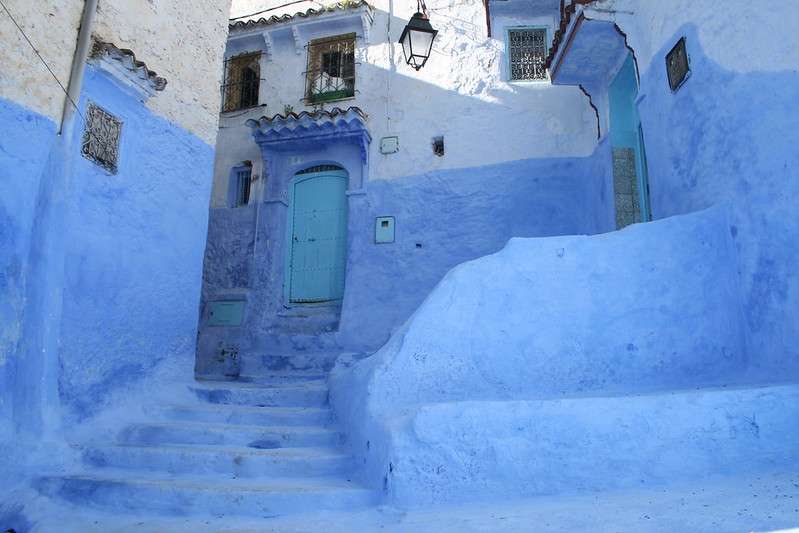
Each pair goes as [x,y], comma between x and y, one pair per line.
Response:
[319,168]
[528,53]
[331,69]
[243,180]
[101,137]
[241,83]
[677,66]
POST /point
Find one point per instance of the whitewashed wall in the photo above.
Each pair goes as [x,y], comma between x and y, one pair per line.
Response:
[182,40]
[460,94]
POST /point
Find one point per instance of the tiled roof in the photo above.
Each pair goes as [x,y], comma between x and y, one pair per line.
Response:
[127,59]
[327,115]
[565,19]
[275,19]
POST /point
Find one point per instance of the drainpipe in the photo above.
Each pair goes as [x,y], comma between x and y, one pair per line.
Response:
[79,63]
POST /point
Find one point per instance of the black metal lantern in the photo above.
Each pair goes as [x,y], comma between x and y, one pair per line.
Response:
[417,39]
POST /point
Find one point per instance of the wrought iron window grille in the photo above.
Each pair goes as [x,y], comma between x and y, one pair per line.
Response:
[101,135]
[330,73]
[242,80]
[527,52]
[243,184]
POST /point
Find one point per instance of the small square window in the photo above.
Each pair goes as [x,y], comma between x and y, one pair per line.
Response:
[101,137]
[331,69]
[677,66]
[527,54]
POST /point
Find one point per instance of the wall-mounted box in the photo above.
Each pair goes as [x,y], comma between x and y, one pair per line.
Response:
[384,230]
[389,145]
[226,313]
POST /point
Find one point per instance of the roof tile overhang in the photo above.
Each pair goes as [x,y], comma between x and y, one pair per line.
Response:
[122,63]
[333,9]
[293,130]
[589,53]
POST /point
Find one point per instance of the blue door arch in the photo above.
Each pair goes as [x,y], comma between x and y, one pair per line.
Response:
[317,237]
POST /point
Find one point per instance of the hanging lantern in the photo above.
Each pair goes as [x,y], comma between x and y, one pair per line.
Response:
[417,39]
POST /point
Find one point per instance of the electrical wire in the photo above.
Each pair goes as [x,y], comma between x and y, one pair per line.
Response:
[35,51]
[276,7]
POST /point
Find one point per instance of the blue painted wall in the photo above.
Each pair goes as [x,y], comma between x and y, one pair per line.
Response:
[731,137]
[25,140]
[447,217]
[133,259]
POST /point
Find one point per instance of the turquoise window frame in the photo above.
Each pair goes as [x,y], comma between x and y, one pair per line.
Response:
[507,30]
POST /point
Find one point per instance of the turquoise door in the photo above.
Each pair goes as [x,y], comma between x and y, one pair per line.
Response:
[630,178]
[317,237]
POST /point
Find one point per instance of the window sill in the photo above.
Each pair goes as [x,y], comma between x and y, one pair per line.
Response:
[328,97]
[241,109]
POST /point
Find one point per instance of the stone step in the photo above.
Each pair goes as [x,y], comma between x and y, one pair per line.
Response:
[165,494]
[230,461]
[260,437]
[246,415]
[265,363]
[306,394]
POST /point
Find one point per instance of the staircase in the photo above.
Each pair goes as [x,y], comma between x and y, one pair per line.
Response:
[262,446]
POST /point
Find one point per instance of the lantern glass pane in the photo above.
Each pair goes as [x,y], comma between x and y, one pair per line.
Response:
[421,42]
[406,45]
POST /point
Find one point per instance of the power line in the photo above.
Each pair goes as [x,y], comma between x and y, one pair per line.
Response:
[276,7]
[35,51]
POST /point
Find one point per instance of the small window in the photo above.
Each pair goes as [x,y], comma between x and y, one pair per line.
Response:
[242,80]
[527,54]
[331,69]
[677,66]
[242,177]
[101,137]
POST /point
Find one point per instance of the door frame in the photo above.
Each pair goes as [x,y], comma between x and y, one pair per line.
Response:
[289,240]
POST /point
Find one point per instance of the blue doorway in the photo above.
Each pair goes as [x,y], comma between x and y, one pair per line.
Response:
[630,178]
[317,247]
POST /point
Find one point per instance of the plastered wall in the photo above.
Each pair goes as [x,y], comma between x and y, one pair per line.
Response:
[460,94]
[180,40]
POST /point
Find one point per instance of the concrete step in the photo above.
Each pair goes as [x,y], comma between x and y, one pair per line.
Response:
[230,461]
[261,437]
[265,363]
[306,394]
[246,415]
[202,495]
[586,444]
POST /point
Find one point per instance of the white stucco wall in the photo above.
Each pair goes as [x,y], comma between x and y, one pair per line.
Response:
[181,40]
[460,94]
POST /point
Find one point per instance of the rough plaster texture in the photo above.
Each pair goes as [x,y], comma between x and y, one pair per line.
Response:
[182,41]
[557,316]
[133,263]
[727,136]
[461,94]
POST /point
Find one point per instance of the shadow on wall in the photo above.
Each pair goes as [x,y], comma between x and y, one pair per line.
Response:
[446,215]
[730,137]
[444,218]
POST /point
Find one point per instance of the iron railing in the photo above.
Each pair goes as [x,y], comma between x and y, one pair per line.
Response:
[331,69]
[241,83]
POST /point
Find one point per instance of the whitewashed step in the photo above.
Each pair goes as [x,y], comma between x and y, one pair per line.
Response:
[260,437]
[243,414]
[306,394]
[258,364]
[203,495]
[229,461]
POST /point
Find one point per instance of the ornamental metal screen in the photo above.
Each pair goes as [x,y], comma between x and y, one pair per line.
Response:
[243,180]
[528,53]
[242,79]
[101,137]
[331,69]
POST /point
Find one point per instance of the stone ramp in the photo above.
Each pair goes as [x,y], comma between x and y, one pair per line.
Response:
[457,451]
